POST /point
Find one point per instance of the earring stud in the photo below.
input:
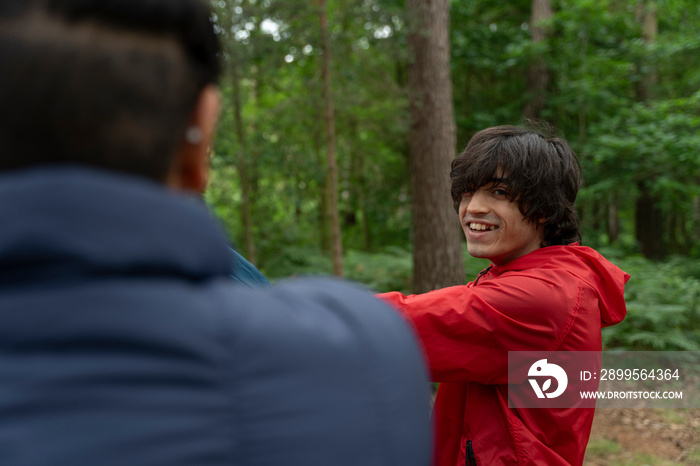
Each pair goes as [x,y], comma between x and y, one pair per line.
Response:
[193,135]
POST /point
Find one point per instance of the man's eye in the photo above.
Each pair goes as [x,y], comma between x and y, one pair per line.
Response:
[500,192]
[467,194]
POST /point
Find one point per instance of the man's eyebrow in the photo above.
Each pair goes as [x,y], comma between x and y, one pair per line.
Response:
[494,181]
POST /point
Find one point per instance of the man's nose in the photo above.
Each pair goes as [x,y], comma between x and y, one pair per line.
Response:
[478,203]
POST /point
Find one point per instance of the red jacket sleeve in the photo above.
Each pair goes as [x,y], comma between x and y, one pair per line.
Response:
[468,330]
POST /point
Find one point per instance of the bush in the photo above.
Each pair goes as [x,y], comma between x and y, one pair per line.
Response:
[388,270]
[663,307]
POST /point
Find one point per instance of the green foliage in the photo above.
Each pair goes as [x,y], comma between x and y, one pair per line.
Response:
[601,448]
[596,59]
[663,307]
[275,47]
[656,146]
[387,270]
[490,53]
[297,261]
[694,456]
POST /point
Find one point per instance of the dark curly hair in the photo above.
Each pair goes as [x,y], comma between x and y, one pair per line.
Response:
[542,172]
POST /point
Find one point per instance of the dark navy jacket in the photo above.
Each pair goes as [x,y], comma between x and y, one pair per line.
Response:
[123,341]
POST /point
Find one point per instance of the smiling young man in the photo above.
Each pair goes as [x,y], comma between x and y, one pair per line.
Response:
[514,191]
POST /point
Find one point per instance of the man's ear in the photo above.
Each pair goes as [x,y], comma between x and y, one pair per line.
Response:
[190,168]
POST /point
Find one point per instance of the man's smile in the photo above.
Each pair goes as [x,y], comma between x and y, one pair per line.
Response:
[481,226]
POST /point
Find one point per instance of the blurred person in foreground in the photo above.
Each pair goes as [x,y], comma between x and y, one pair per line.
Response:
[123,341]
[514,191]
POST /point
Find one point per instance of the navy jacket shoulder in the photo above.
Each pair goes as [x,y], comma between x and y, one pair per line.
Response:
[124,341]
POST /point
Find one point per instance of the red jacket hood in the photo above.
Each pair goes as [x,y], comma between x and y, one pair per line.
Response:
[586,264]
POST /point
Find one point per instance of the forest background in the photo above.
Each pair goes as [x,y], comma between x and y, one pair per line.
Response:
[341,117]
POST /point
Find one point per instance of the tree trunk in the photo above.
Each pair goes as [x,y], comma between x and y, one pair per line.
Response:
[613,220]
[324,234]
[695,230]
[358,185]
[538,74]
[686,233]
[364,218]
[331,162]
[437,258]
[599,215]
[646,14]
[242,165]
[675,241]
[649,226]
[649,220]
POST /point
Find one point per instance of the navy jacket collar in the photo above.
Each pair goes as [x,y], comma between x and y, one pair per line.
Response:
[95,221]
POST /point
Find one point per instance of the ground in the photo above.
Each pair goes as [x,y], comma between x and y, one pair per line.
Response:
[653,437]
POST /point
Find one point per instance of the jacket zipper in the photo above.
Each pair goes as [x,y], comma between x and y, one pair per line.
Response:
[482,273]
[471,459]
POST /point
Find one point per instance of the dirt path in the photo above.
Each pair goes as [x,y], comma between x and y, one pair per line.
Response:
[654,437]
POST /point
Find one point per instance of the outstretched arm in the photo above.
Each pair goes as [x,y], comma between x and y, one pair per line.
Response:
[468,330]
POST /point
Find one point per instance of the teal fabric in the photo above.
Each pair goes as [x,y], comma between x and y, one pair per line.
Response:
[244,272]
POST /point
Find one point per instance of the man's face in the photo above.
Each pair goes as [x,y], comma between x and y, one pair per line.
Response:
[494,227]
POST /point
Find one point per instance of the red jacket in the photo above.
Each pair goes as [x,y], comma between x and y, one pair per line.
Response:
[556,298]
